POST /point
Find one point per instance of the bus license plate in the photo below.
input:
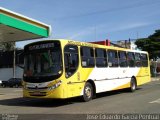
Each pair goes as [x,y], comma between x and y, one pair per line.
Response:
[36,93]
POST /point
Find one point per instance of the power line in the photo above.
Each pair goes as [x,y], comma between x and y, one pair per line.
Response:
[135,5]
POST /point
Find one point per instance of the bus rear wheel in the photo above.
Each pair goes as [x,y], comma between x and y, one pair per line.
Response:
[133,85]
[87,92]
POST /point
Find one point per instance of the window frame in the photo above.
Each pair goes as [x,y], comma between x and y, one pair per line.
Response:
[131,60]
[86,58]
[71,54]
[144,61]
[102,57]
[138,61]
[122,59]
[114,61]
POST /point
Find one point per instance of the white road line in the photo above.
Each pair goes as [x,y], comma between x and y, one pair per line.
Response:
[2,95]
[155,79]
[155,101]
[18,90]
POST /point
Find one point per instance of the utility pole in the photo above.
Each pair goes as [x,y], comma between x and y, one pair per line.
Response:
[14,60]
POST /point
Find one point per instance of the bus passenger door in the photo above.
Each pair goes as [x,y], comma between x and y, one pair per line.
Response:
[71,66]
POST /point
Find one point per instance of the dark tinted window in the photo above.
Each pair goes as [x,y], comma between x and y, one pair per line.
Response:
[144,60]
[131,59]
[71,59]
[122,59]
[101,57]
[87,57]
[112,58]
[138,59]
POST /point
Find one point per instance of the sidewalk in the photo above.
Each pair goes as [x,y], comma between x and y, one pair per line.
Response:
[155,78]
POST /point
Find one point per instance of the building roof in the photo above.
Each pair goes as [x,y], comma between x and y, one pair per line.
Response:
[17,27]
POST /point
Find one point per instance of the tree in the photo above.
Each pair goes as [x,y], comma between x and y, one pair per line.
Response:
[150,44]
[7,46]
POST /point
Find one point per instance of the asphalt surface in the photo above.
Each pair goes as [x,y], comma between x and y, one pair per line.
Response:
[145,100]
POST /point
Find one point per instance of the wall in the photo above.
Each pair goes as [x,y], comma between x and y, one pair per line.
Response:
[7,73]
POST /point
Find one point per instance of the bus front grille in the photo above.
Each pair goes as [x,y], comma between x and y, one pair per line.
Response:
[37,93]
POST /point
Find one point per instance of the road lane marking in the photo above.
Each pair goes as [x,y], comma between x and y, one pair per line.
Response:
[18,90]
[2,95]
[155,101]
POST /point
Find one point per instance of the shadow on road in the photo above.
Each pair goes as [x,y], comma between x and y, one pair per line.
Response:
[34,102]
[29,102]
[115,92]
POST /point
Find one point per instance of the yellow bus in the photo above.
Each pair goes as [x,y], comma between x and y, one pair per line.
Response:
[65,68]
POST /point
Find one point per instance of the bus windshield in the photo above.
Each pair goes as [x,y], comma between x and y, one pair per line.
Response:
[42,61]
[46,63]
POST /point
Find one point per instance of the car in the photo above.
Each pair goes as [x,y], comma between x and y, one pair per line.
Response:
[12,82]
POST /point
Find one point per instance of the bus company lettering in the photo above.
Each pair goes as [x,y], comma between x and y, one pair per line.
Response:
[41,46]
[82,43]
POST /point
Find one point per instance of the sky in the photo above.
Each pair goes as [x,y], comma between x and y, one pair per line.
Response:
[91,20]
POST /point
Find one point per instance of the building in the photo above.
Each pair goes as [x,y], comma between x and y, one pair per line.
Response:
[6,64]
[130,44]
[16,27]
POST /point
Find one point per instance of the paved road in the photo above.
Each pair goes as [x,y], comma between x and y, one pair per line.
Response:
[145,100]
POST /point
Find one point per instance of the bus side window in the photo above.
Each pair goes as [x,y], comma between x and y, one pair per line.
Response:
[87,57]
[138,59]
[122,59]
[101,57]
[144,60]
[131,59]
[112,58]
[71,59]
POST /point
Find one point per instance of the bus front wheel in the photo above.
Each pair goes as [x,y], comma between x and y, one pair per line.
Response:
[133,85]
[88,92]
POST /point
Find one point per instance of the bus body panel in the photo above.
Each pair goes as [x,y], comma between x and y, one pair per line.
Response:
[105,79]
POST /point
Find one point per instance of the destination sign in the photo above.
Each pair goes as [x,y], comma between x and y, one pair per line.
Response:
[41,46]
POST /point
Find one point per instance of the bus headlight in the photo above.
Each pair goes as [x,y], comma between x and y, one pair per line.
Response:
[55,85]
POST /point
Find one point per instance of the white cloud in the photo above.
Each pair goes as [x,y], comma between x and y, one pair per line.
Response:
[107,28]
[83,32]
[128,26]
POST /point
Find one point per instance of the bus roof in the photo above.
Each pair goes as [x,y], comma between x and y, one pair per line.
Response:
[16,27]
[79,43]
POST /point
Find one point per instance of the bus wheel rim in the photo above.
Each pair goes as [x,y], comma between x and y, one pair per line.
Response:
[88,92]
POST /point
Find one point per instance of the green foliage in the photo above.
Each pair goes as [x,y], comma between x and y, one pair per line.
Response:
[150,44]
[7,46]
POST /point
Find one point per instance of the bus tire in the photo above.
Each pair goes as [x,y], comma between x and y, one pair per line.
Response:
[88,92]
[133,84]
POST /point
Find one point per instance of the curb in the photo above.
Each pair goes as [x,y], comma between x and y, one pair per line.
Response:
[155,79]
